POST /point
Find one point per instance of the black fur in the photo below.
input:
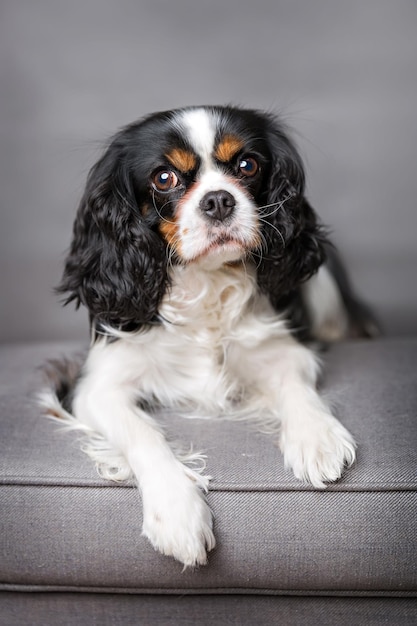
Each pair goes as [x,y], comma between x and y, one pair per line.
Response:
[116,266]
[295,241]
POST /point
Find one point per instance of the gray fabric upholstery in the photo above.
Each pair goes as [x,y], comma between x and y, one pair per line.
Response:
[371,385]
[233,610]
[64,529]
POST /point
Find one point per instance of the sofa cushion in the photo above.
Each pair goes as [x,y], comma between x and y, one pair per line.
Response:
[64,528]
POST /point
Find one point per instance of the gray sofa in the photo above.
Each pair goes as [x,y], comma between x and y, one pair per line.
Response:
[71,545]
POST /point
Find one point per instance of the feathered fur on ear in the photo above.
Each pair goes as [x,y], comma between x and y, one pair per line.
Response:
[116,266]
[293,240]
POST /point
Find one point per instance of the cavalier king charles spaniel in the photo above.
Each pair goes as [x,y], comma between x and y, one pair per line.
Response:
[204,269]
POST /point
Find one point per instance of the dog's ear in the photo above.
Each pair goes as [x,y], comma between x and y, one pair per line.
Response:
[293,240]
[116,265]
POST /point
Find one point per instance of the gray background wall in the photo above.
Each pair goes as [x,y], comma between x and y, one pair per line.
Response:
[343,73]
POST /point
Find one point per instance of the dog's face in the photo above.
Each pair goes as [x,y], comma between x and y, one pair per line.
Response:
[199,185]
[204,185]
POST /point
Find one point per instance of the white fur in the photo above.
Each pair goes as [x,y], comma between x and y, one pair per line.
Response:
[221,350]
[197,234]
[200,127]
[328,317]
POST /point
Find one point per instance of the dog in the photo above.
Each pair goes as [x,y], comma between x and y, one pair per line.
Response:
[205,272]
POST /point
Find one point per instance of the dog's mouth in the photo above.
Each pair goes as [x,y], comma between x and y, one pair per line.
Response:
[221,244]
[225,243]
[224,248]
[224,240]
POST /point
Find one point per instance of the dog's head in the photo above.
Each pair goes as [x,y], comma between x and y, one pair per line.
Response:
[204,185]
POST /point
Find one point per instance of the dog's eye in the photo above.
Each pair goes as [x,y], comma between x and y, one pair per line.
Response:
[164,180]
[248,166]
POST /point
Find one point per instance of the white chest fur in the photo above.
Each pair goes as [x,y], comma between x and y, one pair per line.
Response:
[186,360]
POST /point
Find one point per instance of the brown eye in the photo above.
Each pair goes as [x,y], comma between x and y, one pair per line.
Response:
[164,180]
[248,166]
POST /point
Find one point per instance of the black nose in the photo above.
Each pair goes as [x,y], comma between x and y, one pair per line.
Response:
[218,205]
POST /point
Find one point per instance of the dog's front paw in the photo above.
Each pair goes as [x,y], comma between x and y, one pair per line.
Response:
[177,520]
[319,450]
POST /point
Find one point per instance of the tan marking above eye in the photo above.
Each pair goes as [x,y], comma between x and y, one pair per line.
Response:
[183,160]
[228,147]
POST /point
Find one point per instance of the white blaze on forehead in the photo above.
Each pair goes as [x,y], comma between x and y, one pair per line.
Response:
[199,239]
[200,127]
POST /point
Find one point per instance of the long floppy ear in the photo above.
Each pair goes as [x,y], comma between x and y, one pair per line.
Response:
[293,240]
[116,265]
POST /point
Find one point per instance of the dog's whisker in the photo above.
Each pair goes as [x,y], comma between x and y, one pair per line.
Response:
[275,229]
[278,205]
[164,219]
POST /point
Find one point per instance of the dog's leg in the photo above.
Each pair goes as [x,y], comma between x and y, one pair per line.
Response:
[334,310]
[328,317]
[314,443]
[176,518]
